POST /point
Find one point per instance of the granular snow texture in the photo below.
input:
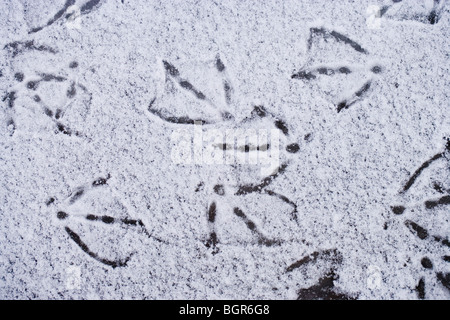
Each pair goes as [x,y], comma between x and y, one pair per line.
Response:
[119,179]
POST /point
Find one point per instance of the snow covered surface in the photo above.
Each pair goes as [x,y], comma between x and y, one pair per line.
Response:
[93,203]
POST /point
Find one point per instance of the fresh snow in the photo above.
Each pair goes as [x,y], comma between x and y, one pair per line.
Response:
[95,202]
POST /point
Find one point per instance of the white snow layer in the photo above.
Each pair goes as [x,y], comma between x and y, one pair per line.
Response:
[94,205]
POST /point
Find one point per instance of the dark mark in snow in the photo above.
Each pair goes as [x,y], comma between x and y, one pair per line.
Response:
[398,209]
[363,89]
[308,137]
[50,201]
[293,148]
[282,126]
[213,240]
[10,97]
[18,47]
[438,187]
[77,195]
[50,77]
[199,95]
[312,74]
[199,187]
[430,204]
[131,222]
[323,290]
[219,65]
[11,123]
[212,212]
[92,217]
[433,17]
[171,69]
[227,116]
[326,71]
[87,7]
[444,242]
[347,40]
[259,111]
[111,220]
[61,215]
[426,263]
[48,112]
[344,70]
[417,230]
[262,240]
[376,69]
[176,120]
[58,113]
[112,263]
[342,105]
[444,279]
[188,86]
[224,146]
[19,76]
[303,75]
[332,255]
[249,188]
[107,219]
[100,181]
[420,288]
[218,189]
[32,85]
[384,9]
[151,104]
[64,129]
[227,90]
[425,165]
[338,36]
[71,92]
[286,200]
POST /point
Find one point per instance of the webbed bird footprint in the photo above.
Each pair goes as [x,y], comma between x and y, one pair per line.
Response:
[193,92]
[44,96]
[338,67]
[99,224]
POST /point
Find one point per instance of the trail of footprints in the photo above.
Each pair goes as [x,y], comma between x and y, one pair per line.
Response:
[258,112]
[421,232]
[324,289]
